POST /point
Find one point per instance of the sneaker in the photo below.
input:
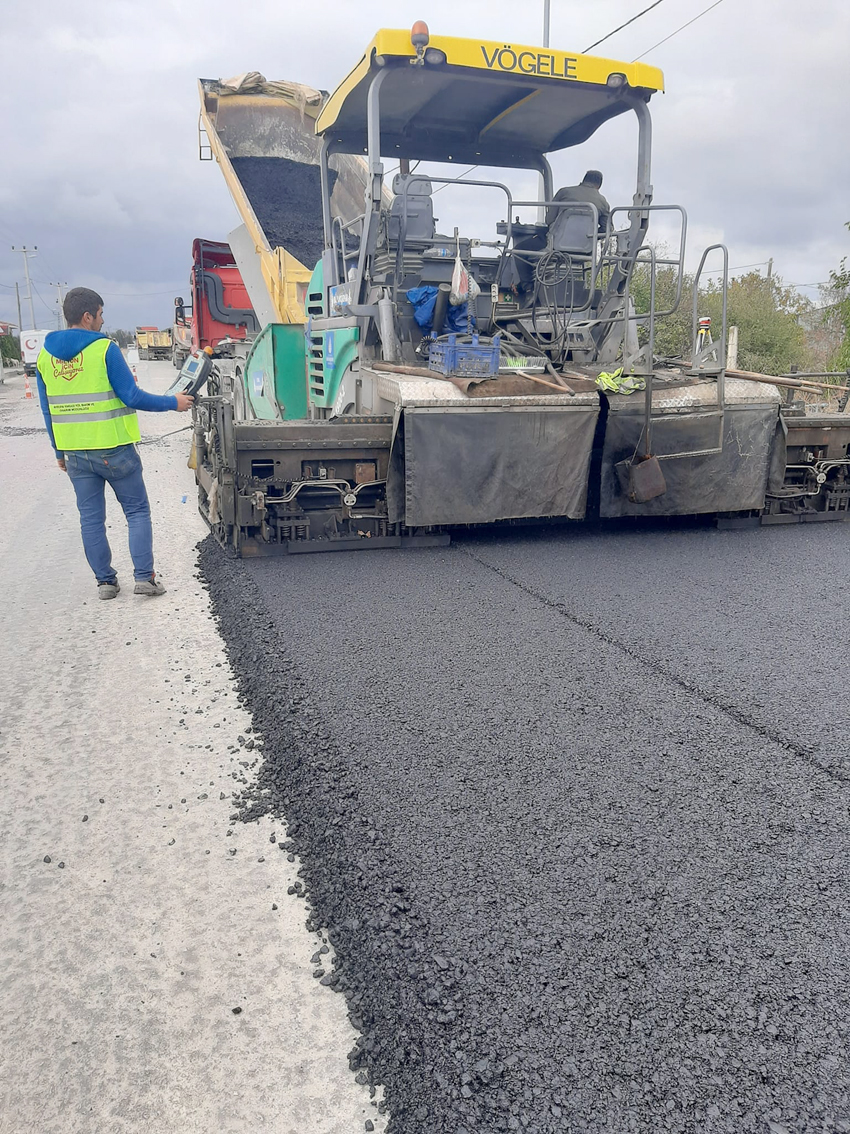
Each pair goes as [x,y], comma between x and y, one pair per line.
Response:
[151,587]
[108,589]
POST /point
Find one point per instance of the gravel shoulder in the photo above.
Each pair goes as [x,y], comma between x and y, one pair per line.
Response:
[125,955]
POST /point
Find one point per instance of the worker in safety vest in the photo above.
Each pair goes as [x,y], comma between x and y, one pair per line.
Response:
[89,401]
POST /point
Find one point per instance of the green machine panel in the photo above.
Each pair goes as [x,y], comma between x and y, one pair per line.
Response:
[275,373]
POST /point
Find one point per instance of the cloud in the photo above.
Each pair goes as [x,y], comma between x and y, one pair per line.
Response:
[100,125]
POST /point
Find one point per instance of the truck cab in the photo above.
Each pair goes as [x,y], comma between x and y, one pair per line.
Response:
[219,312]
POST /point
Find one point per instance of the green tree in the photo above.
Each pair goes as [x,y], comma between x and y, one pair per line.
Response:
[10,346]
[836,313]
[771,337]
[673,331]
[774,322]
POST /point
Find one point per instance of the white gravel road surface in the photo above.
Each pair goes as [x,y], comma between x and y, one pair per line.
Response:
[134,919]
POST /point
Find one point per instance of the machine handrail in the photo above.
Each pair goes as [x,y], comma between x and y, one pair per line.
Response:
[718,349]
[679,262]
[452,181]
[340,252]
[648,351]
[440,181]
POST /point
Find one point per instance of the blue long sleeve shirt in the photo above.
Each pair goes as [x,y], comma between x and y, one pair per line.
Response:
[67,344]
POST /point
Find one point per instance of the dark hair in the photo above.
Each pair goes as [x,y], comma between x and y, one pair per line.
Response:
[593,177]
[78,301]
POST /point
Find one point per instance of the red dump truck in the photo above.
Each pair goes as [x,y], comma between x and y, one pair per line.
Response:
[219,312]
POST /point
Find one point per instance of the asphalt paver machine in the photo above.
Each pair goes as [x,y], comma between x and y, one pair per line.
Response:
[409,407]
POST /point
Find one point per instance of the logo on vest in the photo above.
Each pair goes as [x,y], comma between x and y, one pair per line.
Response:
[68,368]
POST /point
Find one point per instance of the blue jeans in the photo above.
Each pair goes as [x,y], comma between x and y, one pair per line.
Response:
[89,470]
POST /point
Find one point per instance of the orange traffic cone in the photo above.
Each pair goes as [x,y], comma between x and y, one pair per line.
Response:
[27,387]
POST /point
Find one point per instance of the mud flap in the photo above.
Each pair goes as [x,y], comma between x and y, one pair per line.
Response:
[481,464]
[778,458]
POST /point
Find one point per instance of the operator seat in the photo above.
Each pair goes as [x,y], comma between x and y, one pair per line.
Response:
[420,224]
[572,231]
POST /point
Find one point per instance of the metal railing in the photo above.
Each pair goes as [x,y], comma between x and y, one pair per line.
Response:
[705,348]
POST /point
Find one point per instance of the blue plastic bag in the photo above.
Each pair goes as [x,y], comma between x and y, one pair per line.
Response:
[424,298]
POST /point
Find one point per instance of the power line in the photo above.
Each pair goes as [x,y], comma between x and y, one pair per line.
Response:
[620,28]
[737,268]
[741,267]
[396,168]
[676,32]
[137,294]
[471,169]
[106,294]
[38,293]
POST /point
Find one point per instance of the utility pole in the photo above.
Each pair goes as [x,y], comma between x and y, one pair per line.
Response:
[541,212]
[60,318]
[18,297]
[770,269]
[27,252]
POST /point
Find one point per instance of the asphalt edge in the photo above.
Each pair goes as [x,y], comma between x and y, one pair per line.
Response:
[349,887]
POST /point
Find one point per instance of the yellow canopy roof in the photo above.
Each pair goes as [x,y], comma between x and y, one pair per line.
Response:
[487,103]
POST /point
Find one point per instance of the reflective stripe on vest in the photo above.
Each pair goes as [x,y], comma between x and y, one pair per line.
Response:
[85,411]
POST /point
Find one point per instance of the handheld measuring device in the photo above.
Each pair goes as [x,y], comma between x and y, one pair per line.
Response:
[193,374]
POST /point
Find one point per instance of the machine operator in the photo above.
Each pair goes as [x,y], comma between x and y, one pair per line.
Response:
[586,192]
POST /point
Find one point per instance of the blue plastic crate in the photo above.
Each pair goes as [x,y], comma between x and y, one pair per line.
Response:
[465,359]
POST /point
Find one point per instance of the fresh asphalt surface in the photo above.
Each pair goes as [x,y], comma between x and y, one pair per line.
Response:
[574,807]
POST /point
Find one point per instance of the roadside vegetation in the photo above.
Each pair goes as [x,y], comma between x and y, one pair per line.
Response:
[10,347]
[779,328]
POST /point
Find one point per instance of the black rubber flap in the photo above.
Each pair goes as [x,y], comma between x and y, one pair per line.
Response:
[475,466]
[731,481]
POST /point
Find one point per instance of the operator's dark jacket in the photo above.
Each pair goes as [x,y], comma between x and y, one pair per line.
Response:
[587,194]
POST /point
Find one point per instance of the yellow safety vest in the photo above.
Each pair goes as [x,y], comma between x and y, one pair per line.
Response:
[85,411]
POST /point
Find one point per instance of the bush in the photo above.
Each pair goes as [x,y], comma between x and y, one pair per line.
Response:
[10,347]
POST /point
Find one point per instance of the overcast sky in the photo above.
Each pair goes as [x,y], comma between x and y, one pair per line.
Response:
[99,109]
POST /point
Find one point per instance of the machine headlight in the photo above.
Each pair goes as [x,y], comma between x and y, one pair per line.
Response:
[434,56]
[617,79]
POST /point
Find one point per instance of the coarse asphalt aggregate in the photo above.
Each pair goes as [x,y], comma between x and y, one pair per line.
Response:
[573,806]
[286,198]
